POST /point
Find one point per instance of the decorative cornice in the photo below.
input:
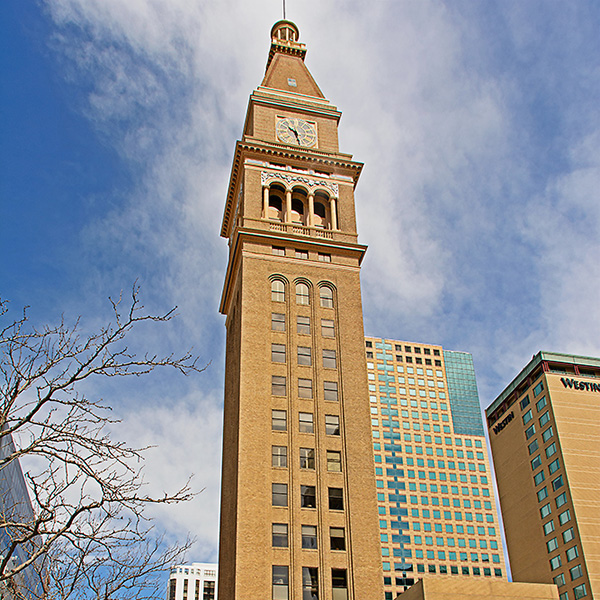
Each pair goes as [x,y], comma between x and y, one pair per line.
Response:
[290,179]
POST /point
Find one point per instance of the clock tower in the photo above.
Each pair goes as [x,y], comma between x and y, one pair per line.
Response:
[298,509]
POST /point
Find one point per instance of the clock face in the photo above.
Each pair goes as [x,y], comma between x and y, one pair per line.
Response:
[296,131]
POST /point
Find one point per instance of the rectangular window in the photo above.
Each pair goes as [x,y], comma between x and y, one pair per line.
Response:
[309,537]
[280,582]
[280,535]
[580,591]
[278,251]
[545,510]
[279,456]
[329,359]
[305,388]
[547,434]
[327,328]
[337,538]
[339,584]
[557,483]
[564,517]
[301,254]
[324,257]
[304,356]
[330,390]
[308,498]
[278,385]
[533,447]
[551,450]
[530,431]
[542,494]
[334,461]
[536,462]
[541,403]
[545,418]
[552,544]
[527,417]
[539,477]
[280,494]
[278,420]
[559,581]
[307,458]
[278,353]
[306,422]
[554,466]
[576,572]
[277,322]
[310,583]
[336,499]
[524,402]
[548,527]
[332,425]
[538,388]
[572,553]
[208,592]
[555,563]
[303,325]
[568,535]
[560,500]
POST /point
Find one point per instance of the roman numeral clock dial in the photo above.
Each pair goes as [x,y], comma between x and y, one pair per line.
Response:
[296,131]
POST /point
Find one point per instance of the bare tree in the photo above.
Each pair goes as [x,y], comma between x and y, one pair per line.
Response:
[85,534]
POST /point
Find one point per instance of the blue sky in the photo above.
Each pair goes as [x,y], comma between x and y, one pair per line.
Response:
[478,124]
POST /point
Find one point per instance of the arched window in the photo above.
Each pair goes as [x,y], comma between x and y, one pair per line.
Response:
[326,297]
[302,294]
[277,291]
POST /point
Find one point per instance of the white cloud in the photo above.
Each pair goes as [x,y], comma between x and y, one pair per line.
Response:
[477,240]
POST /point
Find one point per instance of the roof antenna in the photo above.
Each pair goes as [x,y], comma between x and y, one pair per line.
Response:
[284,10]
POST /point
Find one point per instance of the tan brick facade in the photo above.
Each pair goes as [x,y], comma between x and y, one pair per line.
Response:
[298,513]
[544,431]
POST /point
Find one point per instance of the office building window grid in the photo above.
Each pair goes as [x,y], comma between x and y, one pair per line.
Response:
[434,489]
[549,478]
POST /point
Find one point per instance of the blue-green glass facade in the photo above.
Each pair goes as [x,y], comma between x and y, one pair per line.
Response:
[462,393]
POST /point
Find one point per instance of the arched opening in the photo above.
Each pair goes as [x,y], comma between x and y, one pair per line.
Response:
[302,296]
[276,203]
[297,211]
[298,215]
[321,204]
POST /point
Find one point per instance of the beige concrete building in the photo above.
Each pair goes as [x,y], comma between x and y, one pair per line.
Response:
[448,588]
[298,513]
[544,431]
[435,496]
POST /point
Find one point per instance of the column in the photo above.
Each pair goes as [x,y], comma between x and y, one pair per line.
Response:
[311,209]
[333,213]
[265,203]
[288,206]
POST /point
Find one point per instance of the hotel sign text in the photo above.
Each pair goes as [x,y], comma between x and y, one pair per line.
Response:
[587,386]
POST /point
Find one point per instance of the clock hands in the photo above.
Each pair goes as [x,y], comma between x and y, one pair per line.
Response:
[293,130]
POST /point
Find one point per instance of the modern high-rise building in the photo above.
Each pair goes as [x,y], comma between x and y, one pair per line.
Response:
[544,430]
[197,581]
[298,513]
[435,495]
